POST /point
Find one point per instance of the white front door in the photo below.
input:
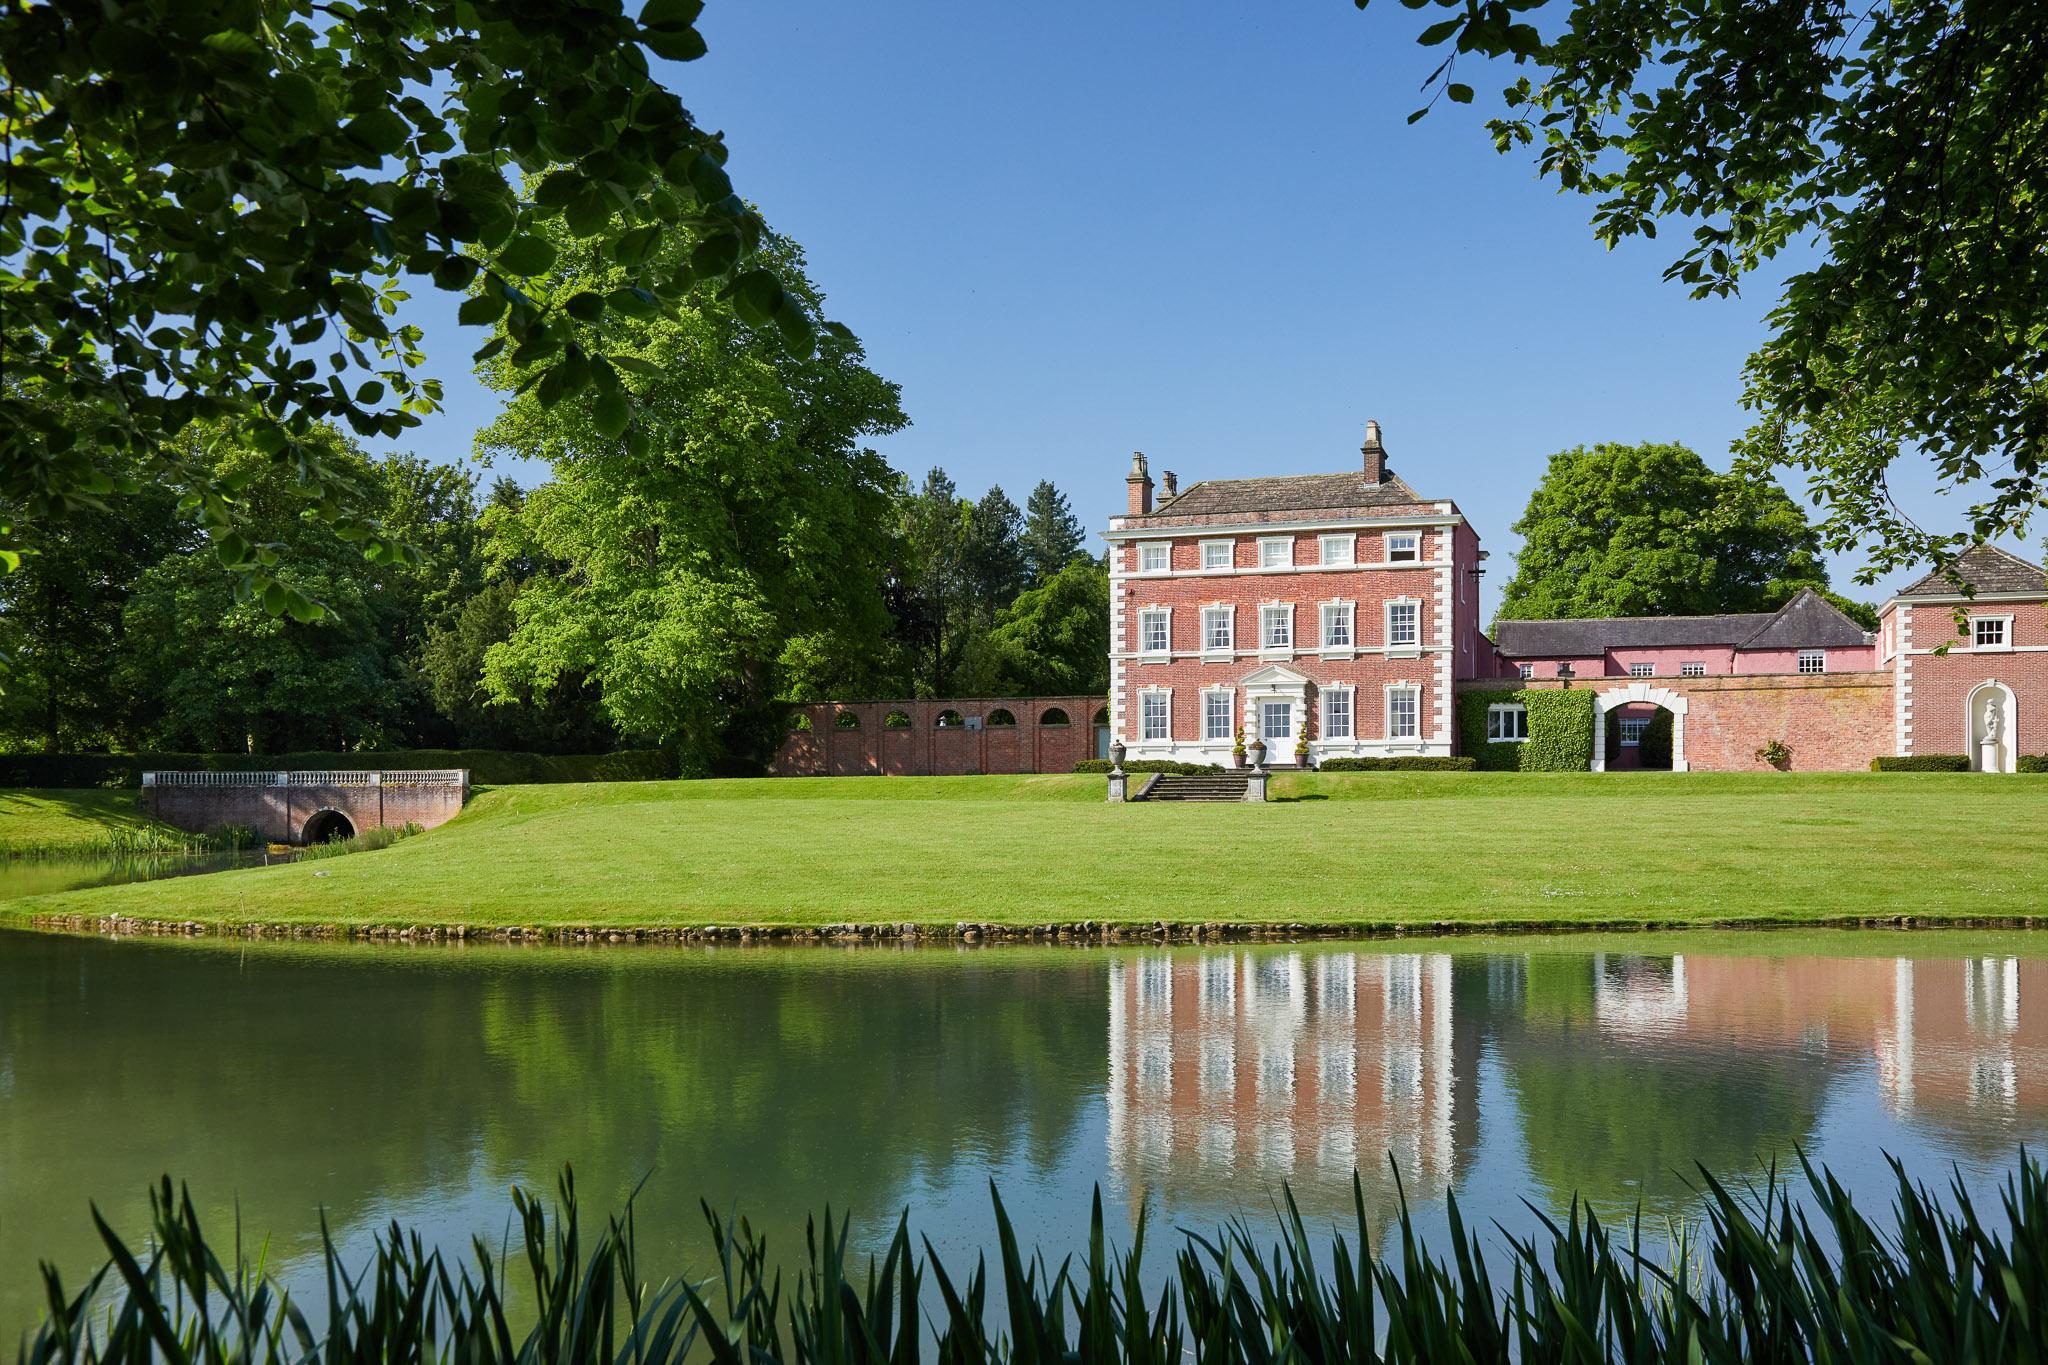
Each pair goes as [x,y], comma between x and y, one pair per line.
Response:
[1276,727]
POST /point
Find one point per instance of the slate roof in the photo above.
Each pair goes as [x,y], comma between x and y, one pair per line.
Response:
[1808,621]
[1288,493]
[1985,568]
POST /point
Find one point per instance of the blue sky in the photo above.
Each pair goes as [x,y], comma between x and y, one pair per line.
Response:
[1071,231]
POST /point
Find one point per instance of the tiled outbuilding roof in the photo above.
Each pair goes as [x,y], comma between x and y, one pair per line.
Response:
[1985,568]
[1808,621]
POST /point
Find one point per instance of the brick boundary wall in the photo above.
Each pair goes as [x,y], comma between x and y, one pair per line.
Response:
[1832,722]
[924,748]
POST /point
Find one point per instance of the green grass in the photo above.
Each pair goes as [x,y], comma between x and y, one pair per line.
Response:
[34,821]
[1363,849]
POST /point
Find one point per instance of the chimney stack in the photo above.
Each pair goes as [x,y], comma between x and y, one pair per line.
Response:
[1170,484]
[1140,482]
[1375,455]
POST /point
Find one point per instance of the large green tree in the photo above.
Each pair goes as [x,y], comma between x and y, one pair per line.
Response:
[1901,142]
[1053,640]
[209,205]
[1651,530]
[725,551]
[1052,533]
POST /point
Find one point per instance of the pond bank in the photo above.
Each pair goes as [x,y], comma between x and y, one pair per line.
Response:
[1081,933]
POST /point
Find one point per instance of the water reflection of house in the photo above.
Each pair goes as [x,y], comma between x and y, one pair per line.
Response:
[1229,1072]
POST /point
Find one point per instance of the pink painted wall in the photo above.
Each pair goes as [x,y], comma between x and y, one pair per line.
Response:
[1852,659]
[1666,662]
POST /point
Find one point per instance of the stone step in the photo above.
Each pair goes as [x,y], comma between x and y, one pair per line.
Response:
[1171,787]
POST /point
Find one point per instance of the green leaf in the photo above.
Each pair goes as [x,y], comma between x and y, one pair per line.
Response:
[481,310]
[526,254]
[684,45]
[1437,33]
[612,411]
[670,14]
[634,303]
[1460,94]
[585,306]
[383,131]
[298,94]
[716,255]
[755,297]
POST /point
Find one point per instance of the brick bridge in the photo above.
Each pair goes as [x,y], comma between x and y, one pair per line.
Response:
[305,807]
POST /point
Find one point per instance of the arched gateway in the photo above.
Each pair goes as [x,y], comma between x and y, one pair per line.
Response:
[1607,699]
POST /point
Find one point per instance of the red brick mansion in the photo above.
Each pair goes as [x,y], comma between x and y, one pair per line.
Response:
[1340,612]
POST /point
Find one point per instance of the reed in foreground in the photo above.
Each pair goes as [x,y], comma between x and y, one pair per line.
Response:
[1770,1277]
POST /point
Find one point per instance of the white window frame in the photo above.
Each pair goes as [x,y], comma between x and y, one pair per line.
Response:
[1344,546]
[2004,624]
[1636,725]
[1332,611]
[1164,696]
[1414,640]
[1348,696]
[1228,614]
[1265,643]
[1284,544]
[1692,668]
[1144,643]
[1642,670]
[1229,699]
[1404,547]
[1165,547]
[1525,670]
[1229,554]
[1819,658]
[1413,696]
[1497,720]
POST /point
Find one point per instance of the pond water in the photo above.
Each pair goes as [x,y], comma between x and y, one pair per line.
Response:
[419,1084]
[43,875]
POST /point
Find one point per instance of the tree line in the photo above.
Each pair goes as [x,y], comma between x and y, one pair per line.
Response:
[677,590]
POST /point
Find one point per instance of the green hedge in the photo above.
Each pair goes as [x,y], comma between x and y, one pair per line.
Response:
[2032,763]
[1151,765]
[1920,763]
[1560,731]
[487,767]
[1414,764]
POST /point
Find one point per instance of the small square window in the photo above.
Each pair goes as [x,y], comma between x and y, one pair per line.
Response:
[1693,669]
[1152,710]
[1218,554]
[1988,632]
[1218,628]
[1642,670]
[1632,731]
[1336,551]
[1507,723]
[1276,554]
[1337,713]
[1276,627]
[1401,623]
[1813,661]
[1525,670]
[1152,631]
[1403,549]
[1337,625]
[1155,557]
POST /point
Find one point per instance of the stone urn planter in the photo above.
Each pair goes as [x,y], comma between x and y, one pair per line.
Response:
[1116,755]
[1258,752]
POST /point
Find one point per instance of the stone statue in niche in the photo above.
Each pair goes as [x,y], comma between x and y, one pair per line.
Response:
[1991,733]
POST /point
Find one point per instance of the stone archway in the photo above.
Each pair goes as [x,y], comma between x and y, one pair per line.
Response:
[1988,719]
[326,825]
[1607,699]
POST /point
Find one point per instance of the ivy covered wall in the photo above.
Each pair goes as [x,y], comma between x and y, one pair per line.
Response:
[1560,730]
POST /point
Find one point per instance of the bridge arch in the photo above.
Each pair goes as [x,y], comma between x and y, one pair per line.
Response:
[1607,699]
[325,825]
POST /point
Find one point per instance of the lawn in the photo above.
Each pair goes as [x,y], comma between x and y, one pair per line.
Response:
[1365,849]
[89,821]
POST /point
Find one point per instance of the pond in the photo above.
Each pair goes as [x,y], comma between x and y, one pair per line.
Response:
[419,1084]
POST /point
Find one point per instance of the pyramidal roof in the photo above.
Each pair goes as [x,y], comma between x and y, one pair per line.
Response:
[1985,568]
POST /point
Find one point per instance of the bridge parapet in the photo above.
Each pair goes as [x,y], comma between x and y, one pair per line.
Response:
[297,807]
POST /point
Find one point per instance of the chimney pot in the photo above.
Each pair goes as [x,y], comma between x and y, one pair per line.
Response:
[1139,503]
[1170,482]
[1375,454]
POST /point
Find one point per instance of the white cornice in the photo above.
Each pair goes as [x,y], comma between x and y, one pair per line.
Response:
[1216,530]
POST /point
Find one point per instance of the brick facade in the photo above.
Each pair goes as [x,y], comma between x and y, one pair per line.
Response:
[1941,698]
[856,739]
[301,812]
